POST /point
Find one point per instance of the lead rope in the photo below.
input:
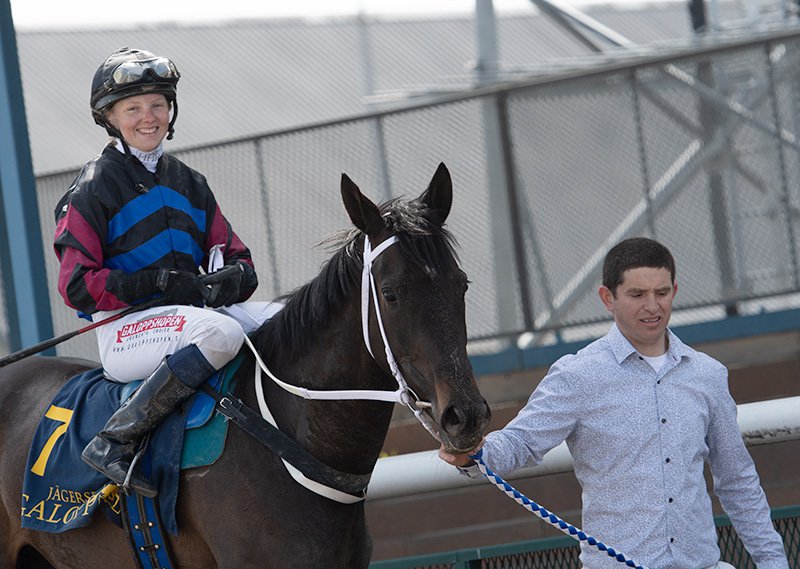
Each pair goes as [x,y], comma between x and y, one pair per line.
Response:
[547,515]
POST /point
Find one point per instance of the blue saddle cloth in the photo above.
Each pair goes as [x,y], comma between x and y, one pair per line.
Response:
[60,492]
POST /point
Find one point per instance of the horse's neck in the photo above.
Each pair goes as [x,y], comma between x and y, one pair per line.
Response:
[347,435]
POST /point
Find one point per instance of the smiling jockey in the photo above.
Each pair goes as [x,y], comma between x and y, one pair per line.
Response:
[138,223]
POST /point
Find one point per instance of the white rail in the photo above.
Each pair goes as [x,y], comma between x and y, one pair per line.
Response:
[764,422]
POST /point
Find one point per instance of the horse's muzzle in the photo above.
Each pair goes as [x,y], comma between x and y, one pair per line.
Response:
[462,425]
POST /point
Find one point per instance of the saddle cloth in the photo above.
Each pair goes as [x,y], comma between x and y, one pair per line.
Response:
[60,492]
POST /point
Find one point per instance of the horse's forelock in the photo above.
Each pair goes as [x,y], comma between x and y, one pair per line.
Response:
[427,244]
[422,241]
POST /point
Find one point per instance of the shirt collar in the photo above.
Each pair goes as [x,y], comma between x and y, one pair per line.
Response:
[148,159]
[622,348]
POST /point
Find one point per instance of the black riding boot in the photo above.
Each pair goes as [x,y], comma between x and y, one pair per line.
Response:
[113,449]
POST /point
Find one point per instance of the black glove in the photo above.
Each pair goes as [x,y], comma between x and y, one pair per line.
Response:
[182,287]
[228,289]
[132,287]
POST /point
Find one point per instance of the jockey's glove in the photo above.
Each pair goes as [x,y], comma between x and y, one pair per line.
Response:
[228,290]
[181,287]
[132,287]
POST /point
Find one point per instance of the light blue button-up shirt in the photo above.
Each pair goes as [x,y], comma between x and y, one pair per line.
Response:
[639,440]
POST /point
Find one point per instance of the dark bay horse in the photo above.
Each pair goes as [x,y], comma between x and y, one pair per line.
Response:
[245,511]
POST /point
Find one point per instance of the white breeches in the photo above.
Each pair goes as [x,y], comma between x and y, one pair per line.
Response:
[132,347]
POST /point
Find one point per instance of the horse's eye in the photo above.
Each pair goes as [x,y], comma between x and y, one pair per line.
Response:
[389,295]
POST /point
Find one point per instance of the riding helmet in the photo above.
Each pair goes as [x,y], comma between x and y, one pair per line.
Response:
[128,72]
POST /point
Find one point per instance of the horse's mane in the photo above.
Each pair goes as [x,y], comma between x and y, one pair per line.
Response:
[308,308]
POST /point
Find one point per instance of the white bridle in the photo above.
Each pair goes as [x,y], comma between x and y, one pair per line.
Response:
[403,395]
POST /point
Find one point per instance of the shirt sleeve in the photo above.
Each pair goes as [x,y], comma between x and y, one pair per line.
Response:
[83,281]
[547,419]
[738,487]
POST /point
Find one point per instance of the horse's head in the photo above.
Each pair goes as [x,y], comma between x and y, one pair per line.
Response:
[420,296]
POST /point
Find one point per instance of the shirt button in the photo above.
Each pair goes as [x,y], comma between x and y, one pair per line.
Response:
[663,420]
[672,540]
[659,381]
[670,500]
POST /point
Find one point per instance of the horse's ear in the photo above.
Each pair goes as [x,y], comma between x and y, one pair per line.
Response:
[439,195]
[364,214]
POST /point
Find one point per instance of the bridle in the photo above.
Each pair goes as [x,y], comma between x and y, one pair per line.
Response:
[403,395]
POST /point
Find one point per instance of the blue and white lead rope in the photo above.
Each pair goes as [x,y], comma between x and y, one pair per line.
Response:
[546,515]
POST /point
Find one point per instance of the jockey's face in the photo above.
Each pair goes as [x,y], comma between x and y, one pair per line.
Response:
[143,120]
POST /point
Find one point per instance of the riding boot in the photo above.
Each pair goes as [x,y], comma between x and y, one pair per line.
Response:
[113,449]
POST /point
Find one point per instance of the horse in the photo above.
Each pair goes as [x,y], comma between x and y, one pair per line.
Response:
[245,510]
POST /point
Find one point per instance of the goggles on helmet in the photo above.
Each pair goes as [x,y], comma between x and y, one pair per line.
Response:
[133,71]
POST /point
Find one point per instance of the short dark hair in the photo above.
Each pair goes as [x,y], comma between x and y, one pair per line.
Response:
[634,253]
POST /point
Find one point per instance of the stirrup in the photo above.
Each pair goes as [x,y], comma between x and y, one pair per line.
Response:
[125,487]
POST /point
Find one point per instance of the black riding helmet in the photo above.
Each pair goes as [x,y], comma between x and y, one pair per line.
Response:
[128,72]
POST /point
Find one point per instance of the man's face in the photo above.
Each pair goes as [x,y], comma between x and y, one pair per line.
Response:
[642,307]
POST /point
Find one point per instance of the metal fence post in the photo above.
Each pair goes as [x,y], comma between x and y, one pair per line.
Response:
[785,199]
[506,234]
[710,118]
[258,149]
[27,299]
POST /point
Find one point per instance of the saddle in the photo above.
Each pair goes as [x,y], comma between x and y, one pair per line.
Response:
[60,492]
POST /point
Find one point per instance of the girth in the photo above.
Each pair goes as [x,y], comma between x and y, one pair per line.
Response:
[287,448]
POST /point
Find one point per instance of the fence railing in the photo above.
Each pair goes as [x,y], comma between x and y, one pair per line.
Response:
[698,150]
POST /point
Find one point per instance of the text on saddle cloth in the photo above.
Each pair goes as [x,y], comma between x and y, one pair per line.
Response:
[60,492]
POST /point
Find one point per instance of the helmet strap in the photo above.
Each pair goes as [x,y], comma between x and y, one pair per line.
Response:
[171,130]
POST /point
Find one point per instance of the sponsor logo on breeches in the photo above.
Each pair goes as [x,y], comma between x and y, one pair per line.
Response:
[163,323]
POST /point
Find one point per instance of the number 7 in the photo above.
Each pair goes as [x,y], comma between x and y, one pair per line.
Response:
[57,414]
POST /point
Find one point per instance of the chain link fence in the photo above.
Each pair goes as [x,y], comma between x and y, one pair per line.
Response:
[696,150]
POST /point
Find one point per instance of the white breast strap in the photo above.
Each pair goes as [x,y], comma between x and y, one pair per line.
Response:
[399,396]
[327,394]
[299,477]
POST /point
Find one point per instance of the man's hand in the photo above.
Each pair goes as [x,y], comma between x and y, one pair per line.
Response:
[460,460]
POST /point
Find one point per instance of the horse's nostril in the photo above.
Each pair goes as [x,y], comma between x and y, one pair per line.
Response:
[453,420]
[465,420]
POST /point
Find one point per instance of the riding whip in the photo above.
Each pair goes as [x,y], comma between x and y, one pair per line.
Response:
[47,344]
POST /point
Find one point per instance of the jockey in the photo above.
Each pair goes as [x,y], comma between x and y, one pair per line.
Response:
[138,223]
